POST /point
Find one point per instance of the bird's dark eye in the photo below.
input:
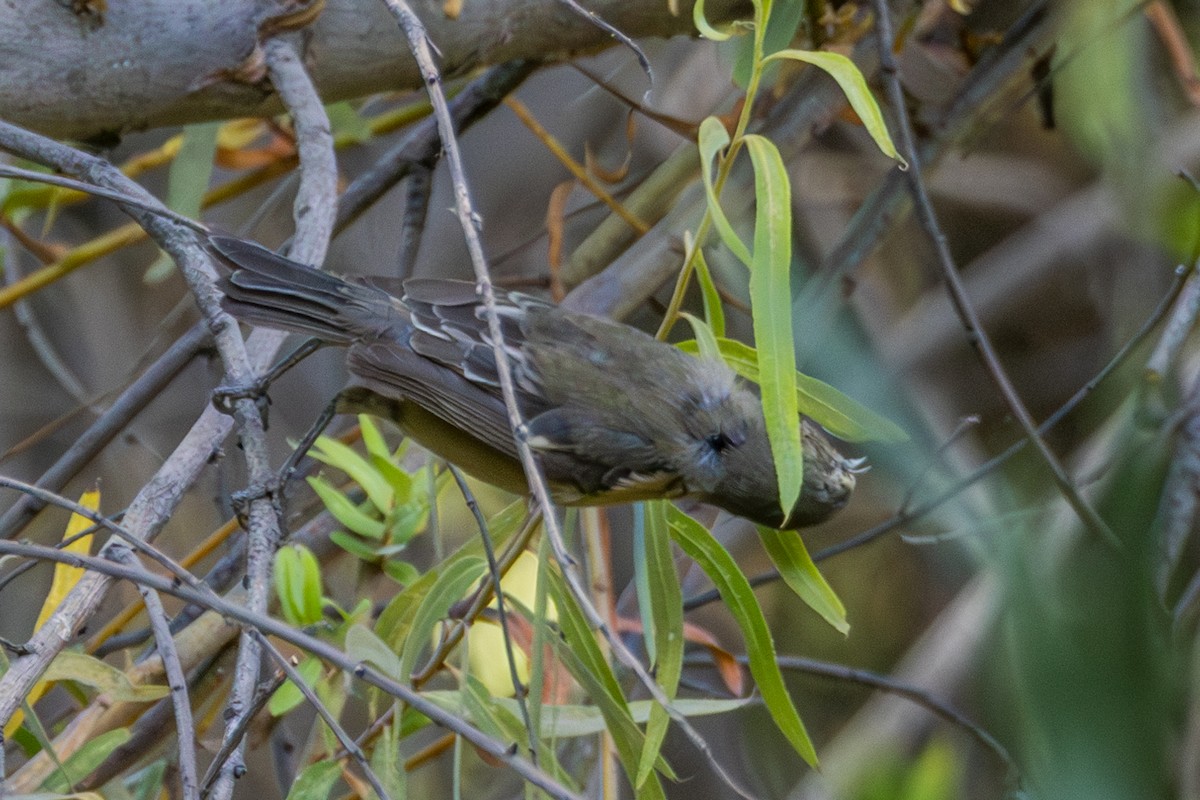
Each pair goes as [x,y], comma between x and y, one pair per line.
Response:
[720,442]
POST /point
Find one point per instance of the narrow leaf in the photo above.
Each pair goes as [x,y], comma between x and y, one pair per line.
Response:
[666,600]
[713,138]
[840,414]
[714,312]
[345,511]
[332,452]
[580,653]
[796,567]
[84,760]
[738,596]
[771,303]
[706,29]
[65,575]
[447,590]
[854,85]
[705,340]
[364,645]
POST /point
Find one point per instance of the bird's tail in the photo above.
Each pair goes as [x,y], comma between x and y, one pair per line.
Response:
[270,290]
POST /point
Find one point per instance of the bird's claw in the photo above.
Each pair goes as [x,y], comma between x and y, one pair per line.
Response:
[224,397]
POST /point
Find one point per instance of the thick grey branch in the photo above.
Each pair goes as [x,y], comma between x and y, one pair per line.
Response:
[168,62]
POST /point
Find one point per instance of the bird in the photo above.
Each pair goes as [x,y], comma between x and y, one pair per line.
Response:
[613,414]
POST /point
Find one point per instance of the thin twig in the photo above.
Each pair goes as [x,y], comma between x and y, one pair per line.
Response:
[314,210]
[265,624]
[976,335]
[35,333]
[106,427]
[520,690]
[351,749]
[233,736]
[102,522]
[892,686]
[158,498]
[176,679]
[422,147]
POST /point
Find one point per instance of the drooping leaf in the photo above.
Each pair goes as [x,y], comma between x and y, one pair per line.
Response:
[796,567]
[771,307]
[854,86]
[738,596]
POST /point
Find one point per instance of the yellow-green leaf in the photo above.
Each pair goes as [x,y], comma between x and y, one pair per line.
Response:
[84,760]
[713,138]
[332,452]
[298,584]
[714,312]
[345,512]
[841,415]
[738,596]
[707,30]
[854,86]
[71,665]
[796,567]
[771,305]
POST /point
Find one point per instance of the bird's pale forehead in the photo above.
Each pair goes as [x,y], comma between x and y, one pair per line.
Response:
[713,383]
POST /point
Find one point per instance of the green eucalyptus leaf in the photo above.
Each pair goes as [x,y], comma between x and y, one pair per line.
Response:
[298,585]
[332,452]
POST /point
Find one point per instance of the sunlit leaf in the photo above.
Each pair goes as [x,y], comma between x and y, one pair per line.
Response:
[65,575]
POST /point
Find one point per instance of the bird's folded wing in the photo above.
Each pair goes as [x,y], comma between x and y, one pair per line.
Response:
[397,372]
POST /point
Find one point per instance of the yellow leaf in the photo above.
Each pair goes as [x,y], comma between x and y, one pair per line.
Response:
[65,578]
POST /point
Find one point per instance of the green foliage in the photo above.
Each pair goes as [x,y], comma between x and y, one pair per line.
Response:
[738,596]
[841,415]
[770,262]
[298,584]
[396,507]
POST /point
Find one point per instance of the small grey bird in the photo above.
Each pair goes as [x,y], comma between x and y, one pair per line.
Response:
[614,414]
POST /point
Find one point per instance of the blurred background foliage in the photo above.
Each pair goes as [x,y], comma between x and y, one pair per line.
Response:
[1052,137]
